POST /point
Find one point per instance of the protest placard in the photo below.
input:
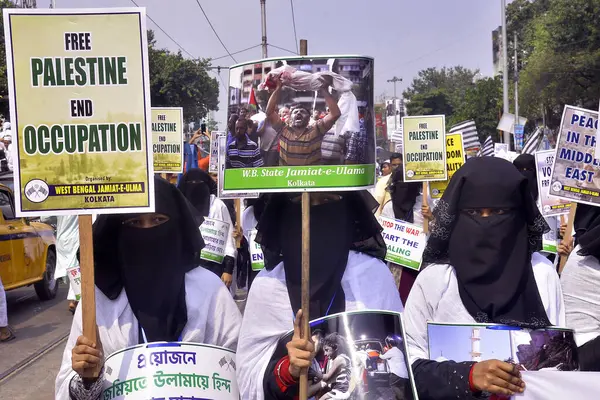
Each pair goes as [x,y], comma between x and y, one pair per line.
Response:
[214,233]
[576,172]
[257,258]
[544,161]
[327,137]
[405,242]
[167,139]
[171,371]
[550,238]
[222,154]
[501,150]
[455,158]
[213,164]
[74,275]
[80,110]
[424,150]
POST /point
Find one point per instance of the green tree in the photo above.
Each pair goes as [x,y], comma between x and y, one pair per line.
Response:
[483,104]
[432,102]
[179,82]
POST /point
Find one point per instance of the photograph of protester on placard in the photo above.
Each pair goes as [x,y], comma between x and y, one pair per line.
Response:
[531,350]
[359,356]
[301,123]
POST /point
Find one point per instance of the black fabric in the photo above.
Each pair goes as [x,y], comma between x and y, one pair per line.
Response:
[197,186]
[335,228]
[587,230]
[589,354]
[404,195]
[443,380]
[525,163]
[491,255]
[150,264]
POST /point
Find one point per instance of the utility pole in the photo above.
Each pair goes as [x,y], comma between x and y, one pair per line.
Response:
[52,3]
[263,19]
[505,67]
[395,80]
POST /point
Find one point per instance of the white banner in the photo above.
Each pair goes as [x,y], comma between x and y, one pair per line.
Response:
[75,280]
[405,242]
[552,385]
[544,161]
[257,258]
[171,371]
[214,233]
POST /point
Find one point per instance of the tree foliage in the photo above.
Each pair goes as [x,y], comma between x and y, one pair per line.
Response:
[179,82]
[483,104]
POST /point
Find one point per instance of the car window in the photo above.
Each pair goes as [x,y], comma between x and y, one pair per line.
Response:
[6,205]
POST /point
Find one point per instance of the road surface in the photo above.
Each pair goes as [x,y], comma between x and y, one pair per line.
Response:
[29,364]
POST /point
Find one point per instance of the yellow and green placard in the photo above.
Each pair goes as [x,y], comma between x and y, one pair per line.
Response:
[424,148]
[167,139]
[80,110]
[455,158]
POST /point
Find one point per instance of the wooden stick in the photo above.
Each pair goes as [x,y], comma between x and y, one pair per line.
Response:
[425,203]
[305,290]
[238,220]
[568,235]
[88,291]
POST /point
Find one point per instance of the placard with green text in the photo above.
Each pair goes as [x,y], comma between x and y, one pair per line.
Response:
[167,139]
[80,110]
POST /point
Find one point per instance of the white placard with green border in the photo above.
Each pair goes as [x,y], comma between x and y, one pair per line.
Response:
[75,281]
[257,258]
[164,370]
[214,233]
[550,239]
[405,242]
[167,139]
[333,151]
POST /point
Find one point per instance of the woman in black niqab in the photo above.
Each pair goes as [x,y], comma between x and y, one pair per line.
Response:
[487,226]
[150,263]
[197,186]
[525,163]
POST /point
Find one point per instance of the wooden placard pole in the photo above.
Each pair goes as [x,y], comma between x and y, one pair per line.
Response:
[88,291]
[425,203]
[238,220]
[568,235]
[305,287]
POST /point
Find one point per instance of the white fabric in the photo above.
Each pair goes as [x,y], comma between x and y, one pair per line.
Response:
[3,311]
[396,362]
[580,280]
[219,211]
[9,156]
[551,385]
[67,244]
[213,318]
[367,284]
[248,221]
[434,297]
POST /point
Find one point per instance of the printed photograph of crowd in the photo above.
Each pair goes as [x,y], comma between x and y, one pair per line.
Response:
[301,112]
[359,356]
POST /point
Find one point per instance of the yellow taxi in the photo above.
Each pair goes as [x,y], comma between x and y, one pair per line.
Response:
[27,250]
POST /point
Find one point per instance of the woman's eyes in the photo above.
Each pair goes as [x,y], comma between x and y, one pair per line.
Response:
[485,213]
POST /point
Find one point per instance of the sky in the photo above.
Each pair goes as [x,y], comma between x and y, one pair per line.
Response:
[404,36]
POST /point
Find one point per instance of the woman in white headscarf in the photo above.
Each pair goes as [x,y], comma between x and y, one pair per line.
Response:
[148,289]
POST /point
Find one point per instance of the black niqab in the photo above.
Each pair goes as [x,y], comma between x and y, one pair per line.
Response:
[404,196]
[150,264]
[587,230]
[491,255]
[335,228]
[525,163]
[197,186]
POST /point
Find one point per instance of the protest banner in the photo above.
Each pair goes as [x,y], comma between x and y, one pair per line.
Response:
[338,119]
[214,233]
[576,173]
[455,158]
[213,164]
[501,150]
[424,149]
[257,258]
[171,371]
[550,239]
[167,139]
[550,206]
[80,110]
[359,338]
[74,275]
[222,155]
[405,242]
